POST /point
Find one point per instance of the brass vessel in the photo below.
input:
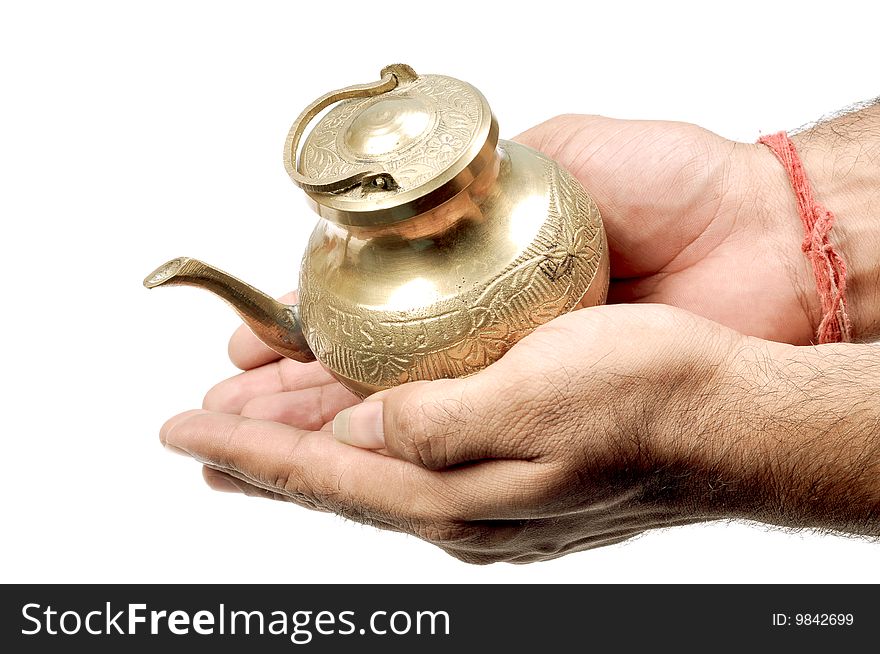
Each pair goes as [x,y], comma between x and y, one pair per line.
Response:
[438,246]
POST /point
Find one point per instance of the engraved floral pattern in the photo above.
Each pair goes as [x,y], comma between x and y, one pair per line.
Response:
[459,112]
[441,146]
[547,279]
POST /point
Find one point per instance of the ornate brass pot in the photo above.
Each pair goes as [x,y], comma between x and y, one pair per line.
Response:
[438,246]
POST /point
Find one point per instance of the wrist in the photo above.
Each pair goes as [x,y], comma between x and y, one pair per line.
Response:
[844,172]
[693,458]
[795,439]
[780,226]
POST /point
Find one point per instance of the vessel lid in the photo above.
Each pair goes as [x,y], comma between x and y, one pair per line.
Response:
[391,149]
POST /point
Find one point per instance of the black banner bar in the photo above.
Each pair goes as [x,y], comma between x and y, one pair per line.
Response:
[329,618]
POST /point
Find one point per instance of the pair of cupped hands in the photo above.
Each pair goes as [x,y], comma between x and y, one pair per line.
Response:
[599,425]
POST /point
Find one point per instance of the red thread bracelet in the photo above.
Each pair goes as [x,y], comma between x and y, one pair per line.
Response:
[829,267]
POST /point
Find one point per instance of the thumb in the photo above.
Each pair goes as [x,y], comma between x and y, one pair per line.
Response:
[434,424]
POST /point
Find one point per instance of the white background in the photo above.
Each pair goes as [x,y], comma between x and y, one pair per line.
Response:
[132,133]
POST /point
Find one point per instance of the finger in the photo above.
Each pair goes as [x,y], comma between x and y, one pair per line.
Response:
[309,408]
[304,464]
[225,483]
[230,395]
[353,482]
[246,351]
[234,481]
[228,483]
[444,423]
[171,423]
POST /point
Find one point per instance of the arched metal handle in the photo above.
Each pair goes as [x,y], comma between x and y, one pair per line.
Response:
[391,76]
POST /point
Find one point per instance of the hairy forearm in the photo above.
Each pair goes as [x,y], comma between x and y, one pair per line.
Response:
[799,438]
[791,435]
[842,158]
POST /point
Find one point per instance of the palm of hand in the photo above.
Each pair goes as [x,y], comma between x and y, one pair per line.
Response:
[693,220]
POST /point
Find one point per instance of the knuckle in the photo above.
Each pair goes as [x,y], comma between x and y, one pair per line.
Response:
[424,430]
[293,479]
[447,533]
[312,497]
[431,451]
[230,445]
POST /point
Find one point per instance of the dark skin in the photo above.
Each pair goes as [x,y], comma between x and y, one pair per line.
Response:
[695,400]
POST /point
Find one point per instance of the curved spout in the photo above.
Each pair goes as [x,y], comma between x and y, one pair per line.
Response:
[276,324]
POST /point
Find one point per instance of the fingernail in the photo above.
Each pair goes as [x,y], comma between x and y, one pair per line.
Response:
[361,425]
[171,423]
